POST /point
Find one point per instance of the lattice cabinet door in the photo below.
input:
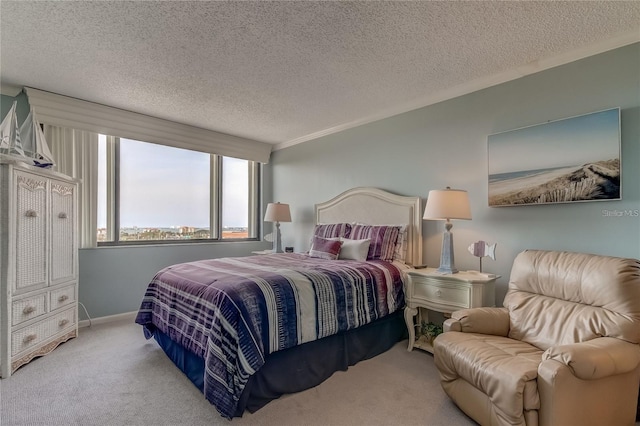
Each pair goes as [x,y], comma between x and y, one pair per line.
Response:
[63,231]
[31,232]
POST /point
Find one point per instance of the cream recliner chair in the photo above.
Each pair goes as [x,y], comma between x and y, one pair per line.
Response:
[564,349]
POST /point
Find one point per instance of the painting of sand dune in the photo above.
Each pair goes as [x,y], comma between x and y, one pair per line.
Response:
[569,160]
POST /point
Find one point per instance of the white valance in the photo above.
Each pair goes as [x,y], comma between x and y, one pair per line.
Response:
[64,111]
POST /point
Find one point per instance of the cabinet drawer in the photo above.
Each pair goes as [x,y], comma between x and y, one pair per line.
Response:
[62,297]
[437,292]
[33,335]
[28,308]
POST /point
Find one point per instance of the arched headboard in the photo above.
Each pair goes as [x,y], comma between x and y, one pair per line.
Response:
[375,206]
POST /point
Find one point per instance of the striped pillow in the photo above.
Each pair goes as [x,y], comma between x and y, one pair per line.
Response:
[325,249]
[383,240]
[400,252]
[332,230]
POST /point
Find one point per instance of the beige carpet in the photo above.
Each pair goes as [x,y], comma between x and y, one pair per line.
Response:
[111,375]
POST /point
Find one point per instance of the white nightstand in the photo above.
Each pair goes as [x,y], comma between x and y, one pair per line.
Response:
[444,293]
[260,252]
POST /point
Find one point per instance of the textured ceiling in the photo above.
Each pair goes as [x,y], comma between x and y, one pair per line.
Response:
[286,72]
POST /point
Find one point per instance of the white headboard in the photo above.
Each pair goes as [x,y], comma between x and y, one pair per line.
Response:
[374,206]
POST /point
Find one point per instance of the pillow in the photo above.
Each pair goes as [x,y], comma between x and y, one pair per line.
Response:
[400,251]
[332,230]
[383,239]
[354,249]
[325,249]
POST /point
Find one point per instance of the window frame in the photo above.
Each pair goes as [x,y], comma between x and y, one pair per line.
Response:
[215,206]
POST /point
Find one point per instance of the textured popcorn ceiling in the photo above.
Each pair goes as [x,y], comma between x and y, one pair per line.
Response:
[286,72]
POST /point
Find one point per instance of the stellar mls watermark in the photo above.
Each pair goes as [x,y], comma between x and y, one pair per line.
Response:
[621,213]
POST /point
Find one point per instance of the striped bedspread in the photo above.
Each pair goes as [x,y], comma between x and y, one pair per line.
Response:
[233,312]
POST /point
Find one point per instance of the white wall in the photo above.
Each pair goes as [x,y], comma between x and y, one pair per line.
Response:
[446,145]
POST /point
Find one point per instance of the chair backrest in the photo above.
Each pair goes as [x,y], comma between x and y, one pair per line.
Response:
[559,298]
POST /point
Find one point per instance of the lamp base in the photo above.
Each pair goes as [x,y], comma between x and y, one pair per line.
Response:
[277,242]
[446,256]
[446,270]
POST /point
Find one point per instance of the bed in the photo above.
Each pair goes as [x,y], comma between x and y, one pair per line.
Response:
[247,330]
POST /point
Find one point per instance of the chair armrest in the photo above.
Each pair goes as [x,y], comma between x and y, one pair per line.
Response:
[597,358]
[493,321]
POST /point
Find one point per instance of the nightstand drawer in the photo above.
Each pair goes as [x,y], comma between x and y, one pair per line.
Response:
[439,293]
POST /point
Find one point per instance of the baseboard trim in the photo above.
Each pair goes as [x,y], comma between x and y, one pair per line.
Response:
[109,318]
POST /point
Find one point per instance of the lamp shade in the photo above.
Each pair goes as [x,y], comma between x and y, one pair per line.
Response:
[277,212]
[447,204]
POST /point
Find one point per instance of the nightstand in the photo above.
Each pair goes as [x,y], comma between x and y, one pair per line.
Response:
[261,252]
[444,293]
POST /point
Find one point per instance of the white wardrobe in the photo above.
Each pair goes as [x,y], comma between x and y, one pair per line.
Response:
[38,263]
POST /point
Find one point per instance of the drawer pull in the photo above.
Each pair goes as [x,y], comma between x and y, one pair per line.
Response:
[29,338]
[29,310]
[438,293]
[31,213]
[62,215]
[63,322]
[63,298]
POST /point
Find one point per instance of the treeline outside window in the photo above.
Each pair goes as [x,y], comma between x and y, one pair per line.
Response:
[149,193]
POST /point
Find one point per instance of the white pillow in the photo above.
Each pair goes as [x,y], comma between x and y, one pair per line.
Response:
[354,249]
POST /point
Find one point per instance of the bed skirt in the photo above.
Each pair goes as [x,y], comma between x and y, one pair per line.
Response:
[301,367]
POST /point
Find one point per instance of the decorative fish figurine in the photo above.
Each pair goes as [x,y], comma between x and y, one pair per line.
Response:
[482,248]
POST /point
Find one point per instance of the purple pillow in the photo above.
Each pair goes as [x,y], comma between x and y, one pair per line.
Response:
[325,249]
[383,240]
[332,230]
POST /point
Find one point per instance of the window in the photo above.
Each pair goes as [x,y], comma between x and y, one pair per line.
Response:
[156,193]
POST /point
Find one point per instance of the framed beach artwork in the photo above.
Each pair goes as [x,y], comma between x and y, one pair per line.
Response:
[569,160]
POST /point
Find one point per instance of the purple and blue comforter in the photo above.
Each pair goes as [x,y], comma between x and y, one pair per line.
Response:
[232,312]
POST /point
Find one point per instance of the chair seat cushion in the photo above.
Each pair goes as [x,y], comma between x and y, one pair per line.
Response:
[502,368]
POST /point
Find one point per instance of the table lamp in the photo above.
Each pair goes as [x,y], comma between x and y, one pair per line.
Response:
[277,212]
[447,204]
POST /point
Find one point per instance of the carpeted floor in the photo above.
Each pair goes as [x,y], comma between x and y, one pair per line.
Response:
[111,375]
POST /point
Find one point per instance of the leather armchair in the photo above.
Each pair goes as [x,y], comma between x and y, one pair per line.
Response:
[564,349]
